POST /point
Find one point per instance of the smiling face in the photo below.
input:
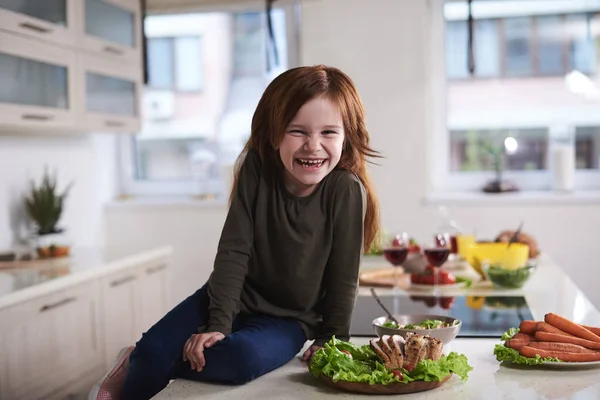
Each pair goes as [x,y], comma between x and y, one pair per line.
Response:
[312,145]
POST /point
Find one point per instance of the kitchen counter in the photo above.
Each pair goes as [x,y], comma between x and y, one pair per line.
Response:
[549,290]
[25,283]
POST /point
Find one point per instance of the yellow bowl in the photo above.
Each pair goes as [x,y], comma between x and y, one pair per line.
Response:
[511,257]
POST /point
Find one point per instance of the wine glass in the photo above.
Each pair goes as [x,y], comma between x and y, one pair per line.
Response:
[395,252]
[437,253]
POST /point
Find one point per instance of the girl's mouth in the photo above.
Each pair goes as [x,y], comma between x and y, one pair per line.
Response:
[311,164]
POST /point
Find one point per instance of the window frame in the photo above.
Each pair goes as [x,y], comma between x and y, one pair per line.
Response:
[126,169]
[440,177]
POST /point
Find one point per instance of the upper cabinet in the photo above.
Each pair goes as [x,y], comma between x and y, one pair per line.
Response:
[112,28]
[37,84]
[73,65]
[52,20]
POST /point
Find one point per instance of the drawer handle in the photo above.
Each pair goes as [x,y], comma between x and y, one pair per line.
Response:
[113,50]
[32,27]
[114,124]
[49,307]
[155,269]
[36,117]
[122,281]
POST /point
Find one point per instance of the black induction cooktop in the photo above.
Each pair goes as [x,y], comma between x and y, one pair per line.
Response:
[481,316]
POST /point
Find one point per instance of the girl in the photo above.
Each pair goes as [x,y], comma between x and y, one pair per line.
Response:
[302,211]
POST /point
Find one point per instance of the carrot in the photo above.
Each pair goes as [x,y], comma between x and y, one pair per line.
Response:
[516,343]
[556,346]
[531,352]
[523,336]
[553,337]
[528,327]
[570,327]
[546,327]
[595,331]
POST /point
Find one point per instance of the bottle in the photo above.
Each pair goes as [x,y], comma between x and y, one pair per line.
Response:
[562,157]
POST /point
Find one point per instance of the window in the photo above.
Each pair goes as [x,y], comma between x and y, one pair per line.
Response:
[534,45]
[206,73]
[535,74]
[175,63]
[518,58]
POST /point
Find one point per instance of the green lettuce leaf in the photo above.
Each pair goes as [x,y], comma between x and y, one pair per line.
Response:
[364,366]
[429,370]
[468,281]
[509,334]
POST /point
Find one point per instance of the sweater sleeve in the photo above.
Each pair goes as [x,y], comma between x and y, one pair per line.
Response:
[341,273]
[234,250]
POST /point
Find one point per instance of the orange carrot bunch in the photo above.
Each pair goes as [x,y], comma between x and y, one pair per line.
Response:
[557,337]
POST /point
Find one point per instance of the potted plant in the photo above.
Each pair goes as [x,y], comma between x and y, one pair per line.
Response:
[498,184]
[44,206]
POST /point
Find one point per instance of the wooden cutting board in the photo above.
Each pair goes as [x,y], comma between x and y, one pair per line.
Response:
[382,277]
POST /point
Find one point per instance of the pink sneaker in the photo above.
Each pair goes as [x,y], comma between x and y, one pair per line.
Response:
[111,384]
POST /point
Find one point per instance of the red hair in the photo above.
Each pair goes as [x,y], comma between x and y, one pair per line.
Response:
[280,103]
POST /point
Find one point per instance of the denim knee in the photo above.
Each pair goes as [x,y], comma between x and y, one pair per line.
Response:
[244,363]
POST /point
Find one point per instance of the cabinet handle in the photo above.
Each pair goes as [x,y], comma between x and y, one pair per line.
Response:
[155,269]
[113,50]
[114,124]
[36,117]
[32,27]
[49,307]
[122,281]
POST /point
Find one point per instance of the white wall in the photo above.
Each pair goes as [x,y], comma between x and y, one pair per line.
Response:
[383,46]
[87,160]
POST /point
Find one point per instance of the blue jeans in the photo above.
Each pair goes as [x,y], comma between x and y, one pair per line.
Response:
[258,344]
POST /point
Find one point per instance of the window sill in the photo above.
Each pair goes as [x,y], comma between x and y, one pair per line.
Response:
[162,202]
[535,198]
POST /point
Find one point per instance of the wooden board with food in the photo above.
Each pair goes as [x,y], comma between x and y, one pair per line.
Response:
[555,341]
[390,364]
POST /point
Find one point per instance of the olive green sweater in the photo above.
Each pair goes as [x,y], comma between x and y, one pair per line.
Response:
[287,256]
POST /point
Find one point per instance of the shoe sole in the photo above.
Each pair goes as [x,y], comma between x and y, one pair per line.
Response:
[93,395]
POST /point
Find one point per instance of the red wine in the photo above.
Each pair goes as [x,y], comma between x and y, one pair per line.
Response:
[396,256]
[453,244]
[437,256]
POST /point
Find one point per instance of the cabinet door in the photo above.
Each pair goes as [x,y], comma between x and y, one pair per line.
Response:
[154,298]
[49,20]
[37,83]
[120,291]
[112,95]
[113,28]
[49,341]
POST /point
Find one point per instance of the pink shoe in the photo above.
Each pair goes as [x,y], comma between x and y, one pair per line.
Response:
[111,384]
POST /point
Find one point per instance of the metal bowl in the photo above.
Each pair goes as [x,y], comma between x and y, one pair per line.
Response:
[446,335]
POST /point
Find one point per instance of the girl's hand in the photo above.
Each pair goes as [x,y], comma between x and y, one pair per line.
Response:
[195,345]
[310,352]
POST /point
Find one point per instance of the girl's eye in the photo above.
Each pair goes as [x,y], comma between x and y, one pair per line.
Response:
[329,132]
[296,131]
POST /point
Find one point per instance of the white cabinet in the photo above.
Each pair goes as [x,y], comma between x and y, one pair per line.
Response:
[120,315]
[55,346]
[49,341]
[37,84]
[154,295]
[111,95]
[112,28]
[50,20]
[70,65]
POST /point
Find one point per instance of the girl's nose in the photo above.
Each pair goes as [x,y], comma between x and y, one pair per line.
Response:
[313,143]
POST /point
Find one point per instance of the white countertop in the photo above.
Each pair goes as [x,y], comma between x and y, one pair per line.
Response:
[22,284]
[549,290]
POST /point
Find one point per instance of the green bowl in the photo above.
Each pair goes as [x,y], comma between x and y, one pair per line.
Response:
[508,278]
